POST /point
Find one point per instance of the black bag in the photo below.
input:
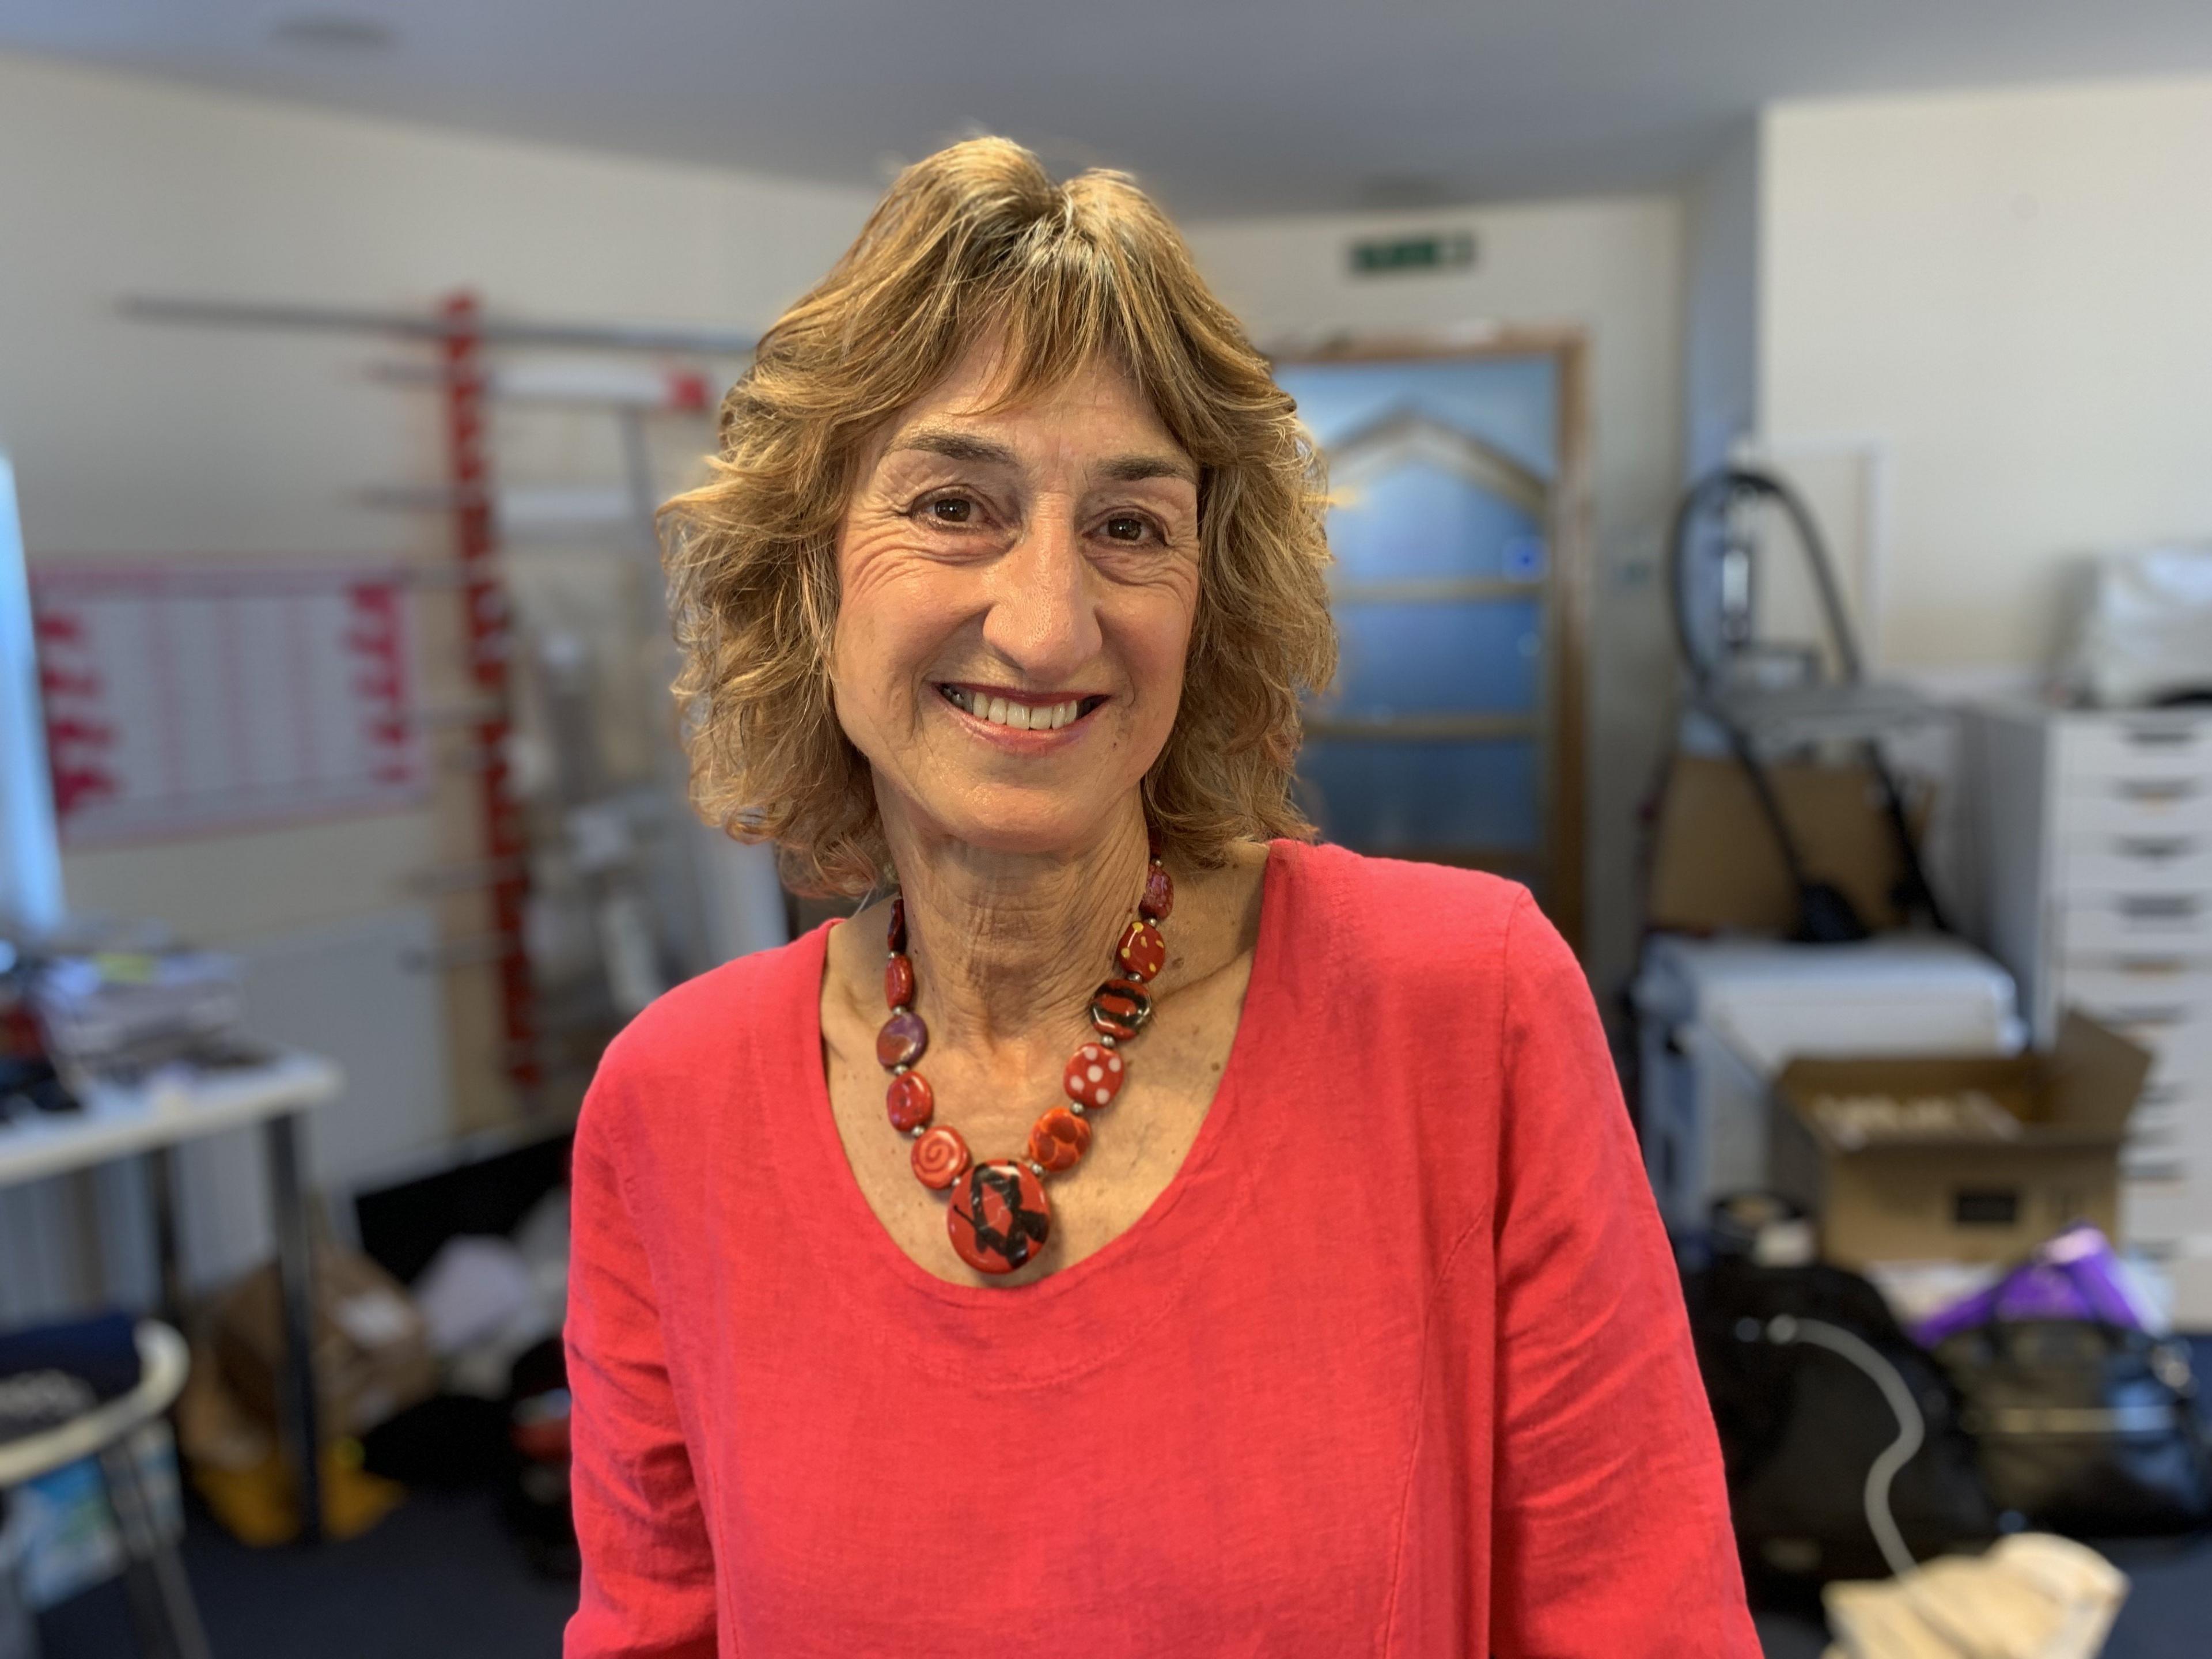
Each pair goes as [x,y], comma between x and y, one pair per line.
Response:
[1801,1425]
[2082,1428]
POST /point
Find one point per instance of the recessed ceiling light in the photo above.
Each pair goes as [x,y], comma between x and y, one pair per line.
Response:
[334,32]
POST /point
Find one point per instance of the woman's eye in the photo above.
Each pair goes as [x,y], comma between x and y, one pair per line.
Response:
[952,510]
[1126,527]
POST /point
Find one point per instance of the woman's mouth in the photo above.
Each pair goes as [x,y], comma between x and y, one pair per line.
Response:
[1017,714]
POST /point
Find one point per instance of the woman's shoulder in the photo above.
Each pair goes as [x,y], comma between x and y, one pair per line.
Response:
[1452,941]
[732,1019]
[1380,904]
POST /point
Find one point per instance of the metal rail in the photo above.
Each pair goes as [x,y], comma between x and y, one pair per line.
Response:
[429,325]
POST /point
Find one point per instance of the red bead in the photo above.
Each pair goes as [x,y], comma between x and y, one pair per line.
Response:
[998,1217]
[898,981]
[1119,1008]
[1142,951]
[911,1101]
[902,1040]
[1094,1077]
[941,1158]
[1057,1138]
[1159,893]
[896,939]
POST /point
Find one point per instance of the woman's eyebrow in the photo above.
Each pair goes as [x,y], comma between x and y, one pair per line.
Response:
[958,446]
[954,445]
[1136,468]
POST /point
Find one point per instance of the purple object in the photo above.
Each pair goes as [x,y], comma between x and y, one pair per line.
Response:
[2073,1276]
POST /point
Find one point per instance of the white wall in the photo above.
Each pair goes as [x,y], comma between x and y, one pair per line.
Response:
[134,439]
[2004,297]
[1612,267]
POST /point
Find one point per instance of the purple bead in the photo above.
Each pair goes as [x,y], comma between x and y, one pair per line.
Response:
[902,1040]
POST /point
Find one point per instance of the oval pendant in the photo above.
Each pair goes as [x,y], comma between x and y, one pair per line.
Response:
[999,1216]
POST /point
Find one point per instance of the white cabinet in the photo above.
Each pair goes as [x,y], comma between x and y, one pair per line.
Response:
[2093,832]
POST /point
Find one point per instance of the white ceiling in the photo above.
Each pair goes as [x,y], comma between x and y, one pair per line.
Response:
[1225,106]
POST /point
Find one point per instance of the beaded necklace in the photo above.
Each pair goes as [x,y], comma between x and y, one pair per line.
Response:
[999,1216]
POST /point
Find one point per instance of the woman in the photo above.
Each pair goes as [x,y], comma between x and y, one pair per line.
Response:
[1147,1233]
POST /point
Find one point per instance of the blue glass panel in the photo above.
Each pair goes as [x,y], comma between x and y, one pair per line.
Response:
[1386,797]
[1422,521]
[1510,403]
[1433,659]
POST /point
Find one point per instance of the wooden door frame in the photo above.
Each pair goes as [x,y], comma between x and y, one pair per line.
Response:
[1569,561]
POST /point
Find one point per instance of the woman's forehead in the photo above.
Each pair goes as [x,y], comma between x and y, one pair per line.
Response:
[977,413]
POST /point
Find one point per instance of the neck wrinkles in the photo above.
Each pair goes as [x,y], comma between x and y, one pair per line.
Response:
[1008,947]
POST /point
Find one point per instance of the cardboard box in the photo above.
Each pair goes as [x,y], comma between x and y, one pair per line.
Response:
[1715,865]
[372,1349]
[1957,1159]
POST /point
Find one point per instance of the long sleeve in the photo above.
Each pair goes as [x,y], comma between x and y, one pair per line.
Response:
[1612,1533]
[648,1583]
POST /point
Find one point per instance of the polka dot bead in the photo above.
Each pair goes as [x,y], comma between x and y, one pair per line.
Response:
[1094,1076]
[1142,951]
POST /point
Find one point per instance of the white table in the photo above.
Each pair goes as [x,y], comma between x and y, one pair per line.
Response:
[148,1119]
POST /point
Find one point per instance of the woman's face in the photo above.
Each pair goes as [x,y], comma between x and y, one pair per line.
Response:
[1016,594]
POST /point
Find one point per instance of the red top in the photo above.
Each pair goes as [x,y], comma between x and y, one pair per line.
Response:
[1396,1364]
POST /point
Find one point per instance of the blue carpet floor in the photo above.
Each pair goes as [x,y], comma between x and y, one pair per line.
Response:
[440,1579]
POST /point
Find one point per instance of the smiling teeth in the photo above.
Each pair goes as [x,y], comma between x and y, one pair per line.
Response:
[1020,716]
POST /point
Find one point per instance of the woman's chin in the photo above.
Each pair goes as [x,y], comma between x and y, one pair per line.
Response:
[1018,824]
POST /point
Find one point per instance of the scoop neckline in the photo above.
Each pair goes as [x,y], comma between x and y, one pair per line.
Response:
[884,1265]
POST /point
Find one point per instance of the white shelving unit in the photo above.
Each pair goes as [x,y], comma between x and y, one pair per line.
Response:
[2093,831]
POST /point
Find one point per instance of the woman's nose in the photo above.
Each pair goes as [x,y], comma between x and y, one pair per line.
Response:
[1041,619]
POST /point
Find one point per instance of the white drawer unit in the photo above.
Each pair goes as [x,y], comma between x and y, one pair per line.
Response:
[2093,837]
[2174,746]
[2150,809]
[2173,923]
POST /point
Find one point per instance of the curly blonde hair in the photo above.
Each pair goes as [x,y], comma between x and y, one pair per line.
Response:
[978,241]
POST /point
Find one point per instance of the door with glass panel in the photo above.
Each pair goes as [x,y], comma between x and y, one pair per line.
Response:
[1454,732]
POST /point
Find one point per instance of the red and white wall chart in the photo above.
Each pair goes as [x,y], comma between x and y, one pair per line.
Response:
[188,695]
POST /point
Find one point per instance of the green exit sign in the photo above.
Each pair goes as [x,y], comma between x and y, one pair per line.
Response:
[1386,256]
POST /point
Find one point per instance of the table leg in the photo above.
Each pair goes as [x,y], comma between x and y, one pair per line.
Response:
[161,1188]
[294,1269]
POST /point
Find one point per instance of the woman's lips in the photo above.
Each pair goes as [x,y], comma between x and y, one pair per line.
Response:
[1021,719]
[1020,713]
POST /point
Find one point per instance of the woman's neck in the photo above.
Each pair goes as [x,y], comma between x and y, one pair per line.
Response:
[1008,947]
